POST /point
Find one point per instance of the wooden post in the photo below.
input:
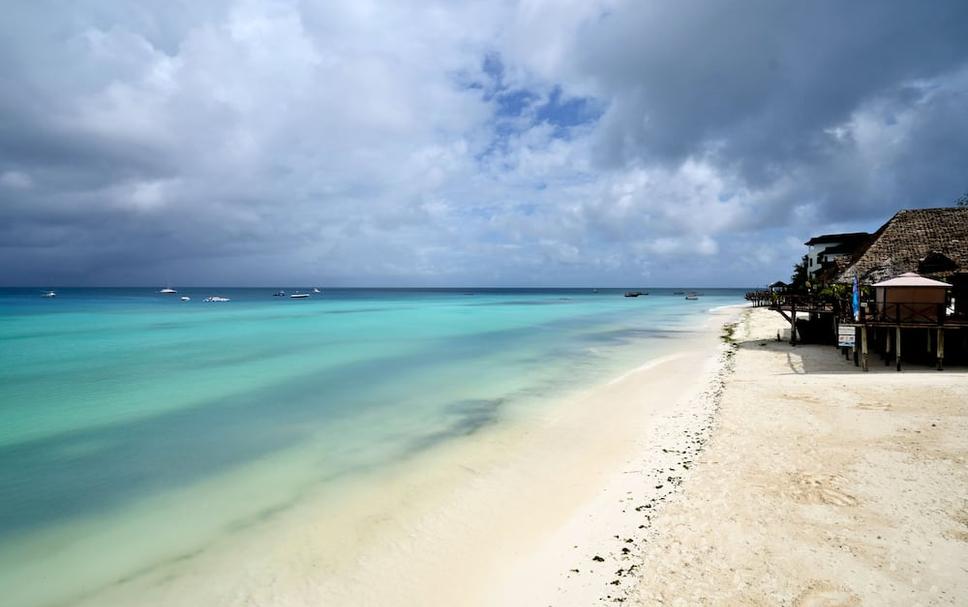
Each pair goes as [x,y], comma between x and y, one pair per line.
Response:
[863,344]
[897,348]
[793,324]
[929,340]
[854,349]
[940,349]
[887,348]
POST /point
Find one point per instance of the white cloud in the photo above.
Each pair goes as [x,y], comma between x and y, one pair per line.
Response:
[366,142]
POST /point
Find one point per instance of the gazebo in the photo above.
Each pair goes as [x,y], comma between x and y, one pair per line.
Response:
[910,297]
[908,301]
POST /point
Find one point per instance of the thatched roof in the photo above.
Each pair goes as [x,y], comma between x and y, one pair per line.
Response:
[931,242]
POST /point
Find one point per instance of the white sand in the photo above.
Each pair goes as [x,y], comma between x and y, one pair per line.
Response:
[821,485]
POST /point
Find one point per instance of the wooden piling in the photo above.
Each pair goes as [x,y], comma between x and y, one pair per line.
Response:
[887,348]
[897,347]
[854,349]
[863,345]
[940,352]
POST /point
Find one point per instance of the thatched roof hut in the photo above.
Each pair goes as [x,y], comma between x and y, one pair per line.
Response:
[931,242]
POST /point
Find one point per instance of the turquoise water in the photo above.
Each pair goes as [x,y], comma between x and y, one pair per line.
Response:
[119,408]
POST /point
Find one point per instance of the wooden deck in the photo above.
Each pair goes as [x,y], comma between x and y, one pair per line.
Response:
[878,324]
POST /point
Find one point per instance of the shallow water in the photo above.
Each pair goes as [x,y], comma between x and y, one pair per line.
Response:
[134,426]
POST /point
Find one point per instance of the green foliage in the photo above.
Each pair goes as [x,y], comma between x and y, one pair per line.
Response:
[798,280]
[836,291]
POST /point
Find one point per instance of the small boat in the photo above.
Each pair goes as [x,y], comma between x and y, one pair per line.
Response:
[678,292]
[186,298]
[216,299]
[633,293]
[315,290]
[692,297]
[167,291]
[299,296]
[594,290]
[279,294]
[49,294]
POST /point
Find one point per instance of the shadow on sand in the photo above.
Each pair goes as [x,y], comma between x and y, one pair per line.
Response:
[828,360]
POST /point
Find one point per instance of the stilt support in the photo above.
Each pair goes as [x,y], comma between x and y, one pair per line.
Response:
[897,347]
[854,349]
[887,348]
[940,352]
[863,345]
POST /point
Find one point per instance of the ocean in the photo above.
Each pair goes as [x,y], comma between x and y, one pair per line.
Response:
[136,429]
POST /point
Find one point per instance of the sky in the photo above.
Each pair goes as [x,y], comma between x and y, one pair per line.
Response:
[493,143]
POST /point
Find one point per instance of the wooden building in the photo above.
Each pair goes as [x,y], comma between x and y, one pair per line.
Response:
[913,273]
[931,242]
[911,298]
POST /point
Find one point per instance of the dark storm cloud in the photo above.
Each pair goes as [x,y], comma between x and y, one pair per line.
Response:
[759,88]
[759,82]
[493,143]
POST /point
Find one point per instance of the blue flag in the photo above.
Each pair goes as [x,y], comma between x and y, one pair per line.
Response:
[855,300]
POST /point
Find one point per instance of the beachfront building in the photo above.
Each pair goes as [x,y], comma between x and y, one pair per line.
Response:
[913,281]
[930,242]
[824,251]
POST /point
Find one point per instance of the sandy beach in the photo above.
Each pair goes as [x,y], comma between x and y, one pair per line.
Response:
[820,485]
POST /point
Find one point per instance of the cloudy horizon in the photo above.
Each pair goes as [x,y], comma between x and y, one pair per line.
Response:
[571,143]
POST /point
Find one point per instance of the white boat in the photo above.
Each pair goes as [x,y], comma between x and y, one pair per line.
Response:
[692,297]
[186,298]
[315,290]
[216,299]
[167,291]
[49,294]
[299,296]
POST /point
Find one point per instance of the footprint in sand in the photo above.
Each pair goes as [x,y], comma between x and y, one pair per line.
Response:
[874,406]
[959,534]
[823,594]
[818,489]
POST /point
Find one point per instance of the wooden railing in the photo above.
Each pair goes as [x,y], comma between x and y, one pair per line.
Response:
[893,313]
[916,313]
